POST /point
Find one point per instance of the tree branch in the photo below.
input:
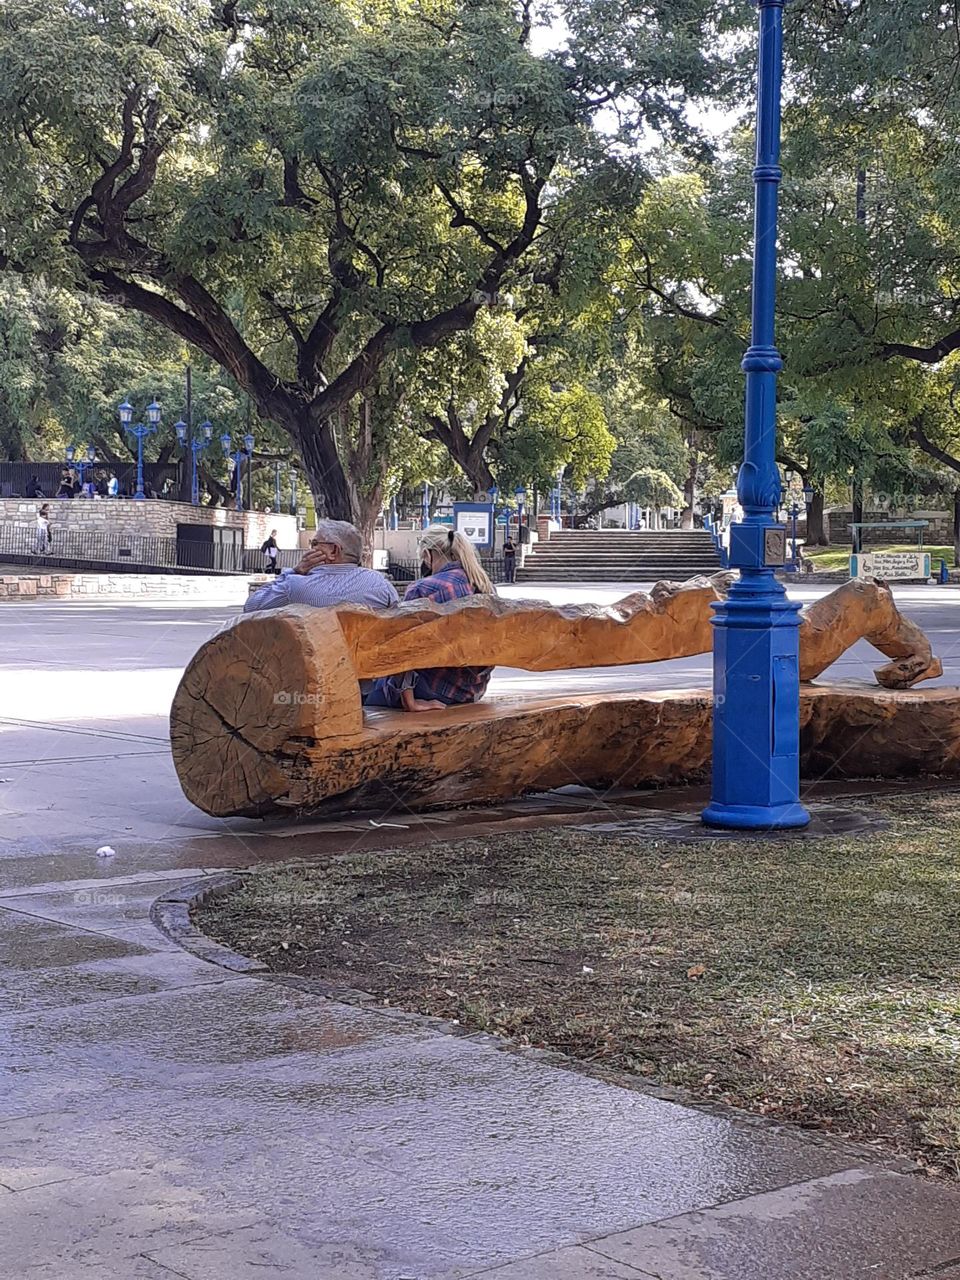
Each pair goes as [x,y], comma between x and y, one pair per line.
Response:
[923,442]
[925,355]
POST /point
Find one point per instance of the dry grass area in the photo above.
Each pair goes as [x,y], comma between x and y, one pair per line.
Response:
[815,981]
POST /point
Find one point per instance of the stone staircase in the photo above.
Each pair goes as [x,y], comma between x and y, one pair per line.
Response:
[619,555]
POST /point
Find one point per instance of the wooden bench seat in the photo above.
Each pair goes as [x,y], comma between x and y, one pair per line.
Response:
[268,715]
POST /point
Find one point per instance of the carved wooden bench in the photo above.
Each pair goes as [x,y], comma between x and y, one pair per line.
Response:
[268,714]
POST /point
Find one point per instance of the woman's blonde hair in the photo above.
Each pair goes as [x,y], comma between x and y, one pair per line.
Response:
[450,544]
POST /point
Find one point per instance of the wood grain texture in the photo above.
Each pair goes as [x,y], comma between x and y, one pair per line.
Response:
[268,713]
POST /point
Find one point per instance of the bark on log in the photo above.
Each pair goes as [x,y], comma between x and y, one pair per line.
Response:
[268,713]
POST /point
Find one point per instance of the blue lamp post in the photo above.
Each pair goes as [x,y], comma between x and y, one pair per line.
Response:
[276,488]
[557,497]
[140,430]
[197,445]
[521,496]
[80,464]
[237,456]
[293,494]
[756,670]
[425,509]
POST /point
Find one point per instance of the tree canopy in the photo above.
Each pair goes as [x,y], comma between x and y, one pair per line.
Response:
[428,240]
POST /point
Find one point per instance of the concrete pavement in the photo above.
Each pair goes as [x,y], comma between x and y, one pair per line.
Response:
[162,1117]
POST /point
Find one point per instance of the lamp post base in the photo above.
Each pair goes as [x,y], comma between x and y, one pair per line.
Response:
[749,817]
[139,497]
[756,703]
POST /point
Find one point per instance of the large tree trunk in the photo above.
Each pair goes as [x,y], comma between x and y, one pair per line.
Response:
[817,532]
[185,475]
[367,508]
[856,536]
[469,455]
[324,471]
[690,486]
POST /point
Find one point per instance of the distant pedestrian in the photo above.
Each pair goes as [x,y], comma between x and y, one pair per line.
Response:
[271,553]
[44,536]
[66,484]
[36,491]
[113,486]
[509,560]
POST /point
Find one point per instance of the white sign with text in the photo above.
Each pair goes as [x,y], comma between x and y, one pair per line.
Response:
[891,565]
[475,526]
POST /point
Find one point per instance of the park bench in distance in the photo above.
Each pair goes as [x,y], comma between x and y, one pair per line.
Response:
[268,714]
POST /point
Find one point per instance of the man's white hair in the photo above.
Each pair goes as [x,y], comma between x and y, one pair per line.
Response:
[342,534]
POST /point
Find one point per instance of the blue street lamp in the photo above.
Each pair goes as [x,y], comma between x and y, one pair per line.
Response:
[293,493]
[78,463]
[237,456]
[276,488]
[756,668]
[520,494]
[140,430]
[425,508]
[556,497]
[394,518]
[195,446]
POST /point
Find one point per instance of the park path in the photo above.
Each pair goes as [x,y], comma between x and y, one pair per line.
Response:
[163,1117]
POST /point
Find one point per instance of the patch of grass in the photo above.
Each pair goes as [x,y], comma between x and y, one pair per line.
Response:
[816,981]
[827,558]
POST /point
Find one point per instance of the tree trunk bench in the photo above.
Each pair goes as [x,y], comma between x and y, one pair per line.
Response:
[268,714]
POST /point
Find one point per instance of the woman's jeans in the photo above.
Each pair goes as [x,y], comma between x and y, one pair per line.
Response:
[387,693]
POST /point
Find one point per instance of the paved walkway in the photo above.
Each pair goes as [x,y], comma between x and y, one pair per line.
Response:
[161,1117]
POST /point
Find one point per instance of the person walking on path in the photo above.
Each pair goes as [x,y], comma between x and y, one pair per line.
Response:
[271,553]
[509,560]
[329,574]
[44,537]
[453,573]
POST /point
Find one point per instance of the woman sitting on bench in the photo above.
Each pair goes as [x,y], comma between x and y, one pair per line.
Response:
[453,571]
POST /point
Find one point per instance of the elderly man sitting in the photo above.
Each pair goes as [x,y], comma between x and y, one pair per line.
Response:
[328,574]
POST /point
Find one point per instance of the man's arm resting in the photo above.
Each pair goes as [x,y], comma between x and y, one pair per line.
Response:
[271,596]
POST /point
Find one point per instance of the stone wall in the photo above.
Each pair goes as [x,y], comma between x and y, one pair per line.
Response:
[939,529]
[152,518]
[125,586]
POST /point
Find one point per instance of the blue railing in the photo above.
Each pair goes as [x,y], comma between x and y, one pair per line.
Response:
[716,535]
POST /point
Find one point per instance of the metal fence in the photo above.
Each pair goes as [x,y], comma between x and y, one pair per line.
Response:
[402,572]
[16,478]
[254,561]
[107,550]
[69,549]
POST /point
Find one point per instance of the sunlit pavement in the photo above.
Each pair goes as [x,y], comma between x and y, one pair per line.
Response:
[161,1117]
